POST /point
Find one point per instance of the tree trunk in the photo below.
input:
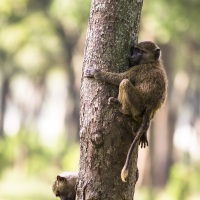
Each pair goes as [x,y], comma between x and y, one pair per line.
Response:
[163,130]
[105,133]
[72,115]
[4,92]
[68,41]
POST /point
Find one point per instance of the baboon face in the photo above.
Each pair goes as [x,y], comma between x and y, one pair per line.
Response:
[144,52]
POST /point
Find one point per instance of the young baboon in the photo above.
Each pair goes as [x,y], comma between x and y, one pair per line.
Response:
[64,186]
[142,90]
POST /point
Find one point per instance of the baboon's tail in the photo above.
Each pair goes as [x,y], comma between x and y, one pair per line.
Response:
[143,128]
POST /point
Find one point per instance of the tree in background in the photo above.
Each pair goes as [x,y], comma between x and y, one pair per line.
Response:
[170,25]
[37,37]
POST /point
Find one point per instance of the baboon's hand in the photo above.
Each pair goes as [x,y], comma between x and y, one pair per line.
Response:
[91,73]
[113,101]
[144,141]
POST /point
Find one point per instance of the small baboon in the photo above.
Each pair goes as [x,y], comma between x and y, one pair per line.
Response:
[142,90]
[64,186]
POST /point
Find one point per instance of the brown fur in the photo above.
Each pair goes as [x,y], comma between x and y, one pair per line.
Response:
[142,90]
[64,186]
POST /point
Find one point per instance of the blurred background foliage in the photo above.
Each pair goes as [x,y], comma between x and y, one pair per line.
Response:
[41,54]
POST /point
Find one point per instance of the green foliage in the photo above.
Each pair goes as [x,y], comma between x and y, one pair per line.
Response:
[15,186]
[71,159]
[24,148]
[184,181]
[74,12]
[173,19]
[183,184]
[28,167]
[28,35]
[29,47]
[6,153]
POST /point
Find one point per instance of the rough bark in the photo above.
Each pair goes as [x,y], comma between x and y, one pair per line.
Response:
[105,133]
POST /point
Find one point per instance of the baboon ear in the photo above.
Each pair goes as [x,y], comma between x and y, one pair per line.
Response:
[157,54]
[60,178]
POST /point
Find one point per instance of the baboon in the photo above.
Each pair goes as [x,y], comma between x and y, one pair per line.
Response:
[64,186]
[142,90]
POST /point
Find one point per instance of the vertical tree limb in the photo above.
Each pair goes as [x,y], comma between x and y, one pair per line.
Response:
[105,133]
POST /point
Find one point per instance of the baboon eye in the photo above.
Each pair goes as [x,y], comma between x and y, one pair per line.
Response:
[137,50]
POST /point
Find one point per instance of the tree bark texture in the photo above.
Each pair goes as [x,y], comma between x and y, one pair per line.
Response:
[105,133]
